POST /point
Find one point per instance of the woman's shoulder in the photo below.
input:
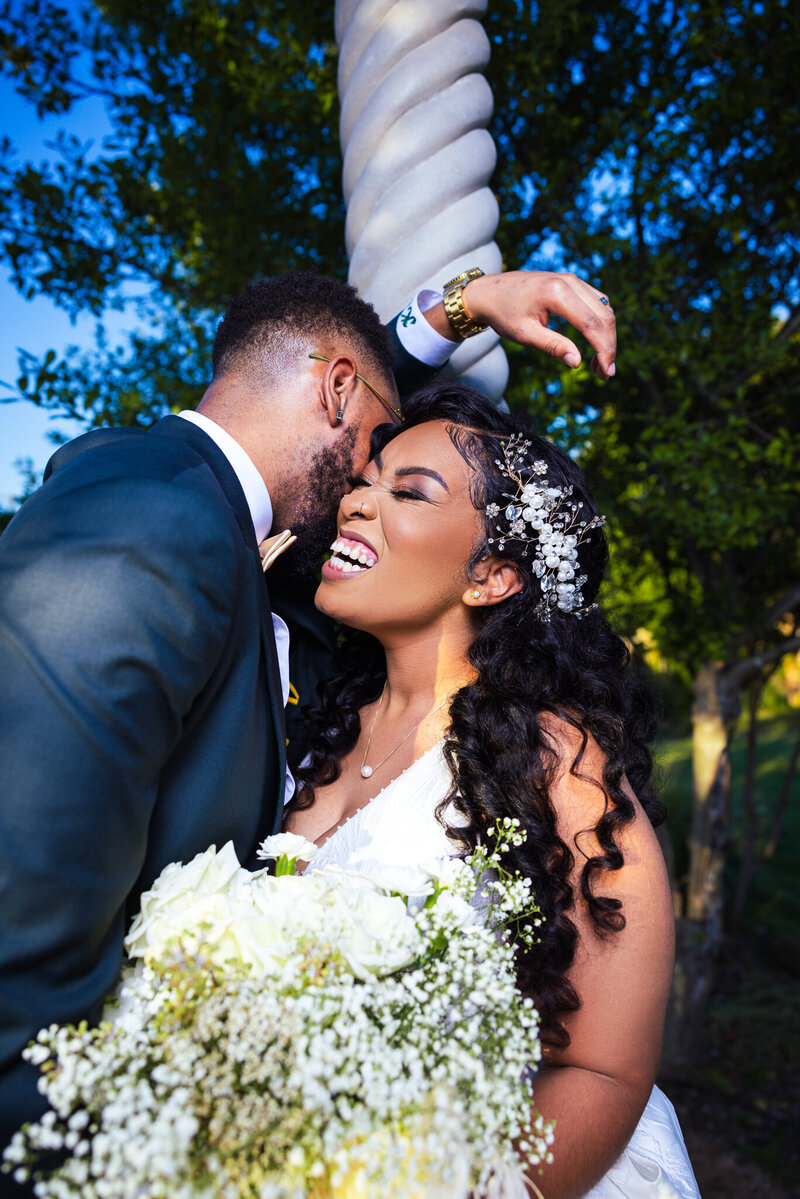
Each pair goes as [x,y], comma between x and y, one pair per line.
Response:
[601,821]
[582,793]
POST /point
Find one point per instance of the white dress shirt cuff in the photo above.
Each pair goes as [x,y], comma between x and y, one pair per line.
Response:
[419,338]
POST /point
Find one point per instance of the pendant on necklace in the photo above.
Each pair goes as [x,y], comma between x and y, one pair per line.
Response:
[366,771]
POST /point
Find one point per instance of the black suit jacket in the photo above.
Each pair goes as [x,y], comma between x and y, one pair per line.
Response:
[140,708]
[141,716]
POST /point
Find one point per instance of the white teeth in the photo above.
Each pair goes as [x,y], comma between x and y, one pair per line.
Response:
[346,567]
[353,553]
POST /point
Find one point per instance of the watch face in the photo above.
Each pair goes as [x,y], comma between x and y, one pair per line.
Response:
[474,272]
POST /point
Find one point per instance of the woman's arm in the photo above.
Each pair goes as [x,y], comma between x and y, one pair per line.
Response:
[597,1088]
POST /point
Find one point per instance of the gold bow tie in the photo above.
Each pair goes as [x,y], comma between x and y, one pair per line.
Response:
[272,547]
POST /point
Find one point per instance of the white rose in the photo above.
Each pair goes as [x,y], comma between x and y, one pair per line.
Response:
[412,881]
[275,918]
[330,880]
[174,903]
[379,936]
[272,919]
[258,943]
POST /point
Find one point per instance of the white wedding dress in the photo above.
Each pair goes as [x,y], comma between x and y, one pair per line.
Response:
[399,828]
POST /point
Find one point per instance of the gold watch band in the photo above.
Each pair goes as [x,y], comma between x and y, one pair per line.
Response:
[464,324]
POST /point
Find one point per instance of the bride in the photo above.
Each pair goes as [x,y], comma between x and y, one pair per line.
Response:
[481,683]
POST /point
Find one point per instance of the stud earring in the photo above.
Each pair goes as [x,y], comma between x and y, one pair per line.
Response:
[476,594]
[340,416]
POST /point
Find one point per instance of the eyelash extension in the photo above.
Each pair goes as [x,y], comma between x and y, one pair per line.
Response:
[401,492]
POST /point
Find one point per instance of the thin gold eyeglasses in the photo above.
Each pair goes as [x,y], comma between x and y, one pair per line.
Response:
[394,411]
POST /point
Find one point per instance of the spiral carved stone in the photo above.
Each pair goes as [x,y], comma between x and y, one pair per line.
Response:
[418,157]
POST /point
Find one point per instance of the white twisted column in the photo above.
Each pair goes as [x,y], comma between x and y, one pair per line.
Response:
[418,157]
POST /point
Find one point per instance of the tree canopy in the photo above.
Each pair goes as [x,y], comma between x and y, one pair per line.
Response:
[651,147]
[654,148]
[223,164]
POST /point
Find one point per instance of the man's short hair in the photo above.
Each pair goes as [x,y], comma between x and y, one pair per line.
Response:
[271,317]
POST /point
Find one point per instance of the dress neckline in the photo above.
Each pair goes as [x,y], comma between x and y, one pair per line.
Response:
[369,803]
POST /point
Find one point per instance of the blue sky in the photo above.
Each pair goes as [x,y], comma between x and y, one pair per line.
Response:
[37,325]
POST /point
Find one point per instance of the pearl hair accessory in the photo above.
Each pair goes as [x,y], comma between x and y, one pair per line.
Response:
[546,518]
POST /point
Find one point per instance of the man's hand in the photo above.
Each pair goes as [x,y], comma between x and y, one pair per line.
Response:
[518,305]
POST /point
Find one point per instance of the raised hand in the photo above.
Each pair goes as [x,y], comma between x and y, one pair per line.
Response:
[519,304]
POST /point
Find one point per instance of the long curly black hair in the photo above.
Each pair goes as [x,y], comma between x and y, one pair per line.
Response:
[530,675]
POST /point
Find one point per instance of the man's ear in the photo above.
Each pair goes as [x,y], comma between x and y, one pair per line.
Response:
[500,580]
[338,385]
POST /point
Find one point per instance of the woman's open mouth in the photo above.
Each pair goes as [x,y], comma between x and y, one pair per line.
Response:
[349,557]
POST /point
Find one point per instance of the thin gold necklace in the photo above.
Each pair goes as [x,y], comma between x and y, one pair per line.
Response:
[367,771]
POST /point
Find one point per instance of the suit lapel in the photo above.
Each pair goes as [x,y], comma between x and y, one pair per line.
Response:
[232,489]
[209,451]
[275,694]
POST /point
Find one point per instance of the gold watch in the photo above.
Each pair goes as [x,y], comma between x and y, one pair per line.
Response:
[456,309]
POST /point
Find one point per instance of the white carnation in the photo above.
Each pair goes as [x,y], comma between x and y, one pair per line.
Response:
[289,845]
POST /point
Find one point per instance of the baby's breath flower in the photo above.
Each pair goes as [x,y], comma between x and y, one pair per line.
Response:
[279,1035]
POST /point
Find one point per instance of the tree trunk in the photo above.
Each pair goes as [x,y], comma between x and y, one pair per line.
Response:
[715,707]
[695,953]
[750,858]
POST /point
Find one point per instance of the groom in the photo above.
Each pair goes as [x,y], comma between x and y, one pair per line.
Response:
[143,674]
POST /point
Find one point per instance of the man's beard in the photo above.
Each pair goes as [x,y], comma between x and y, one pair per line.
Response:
[315,507]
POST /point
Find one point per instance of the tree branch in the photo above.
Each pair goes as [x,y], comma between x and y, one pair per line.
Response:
[739,674]
[785,603]
[790,325]
[788,602]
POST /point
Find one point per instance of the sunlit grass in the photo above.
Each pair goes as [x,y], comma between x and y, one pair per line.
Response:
[774,906]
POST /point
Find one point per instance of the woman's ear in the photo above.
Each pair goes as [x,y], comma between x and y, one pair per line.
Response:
[338,382]
[501,580]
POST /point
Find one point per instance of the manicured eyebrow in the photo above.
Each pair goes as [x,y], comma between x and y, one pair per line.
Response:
[403,471]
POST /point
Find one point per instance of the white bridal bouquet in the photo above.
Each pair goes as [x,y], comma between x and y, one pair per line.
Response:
[281,1036]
